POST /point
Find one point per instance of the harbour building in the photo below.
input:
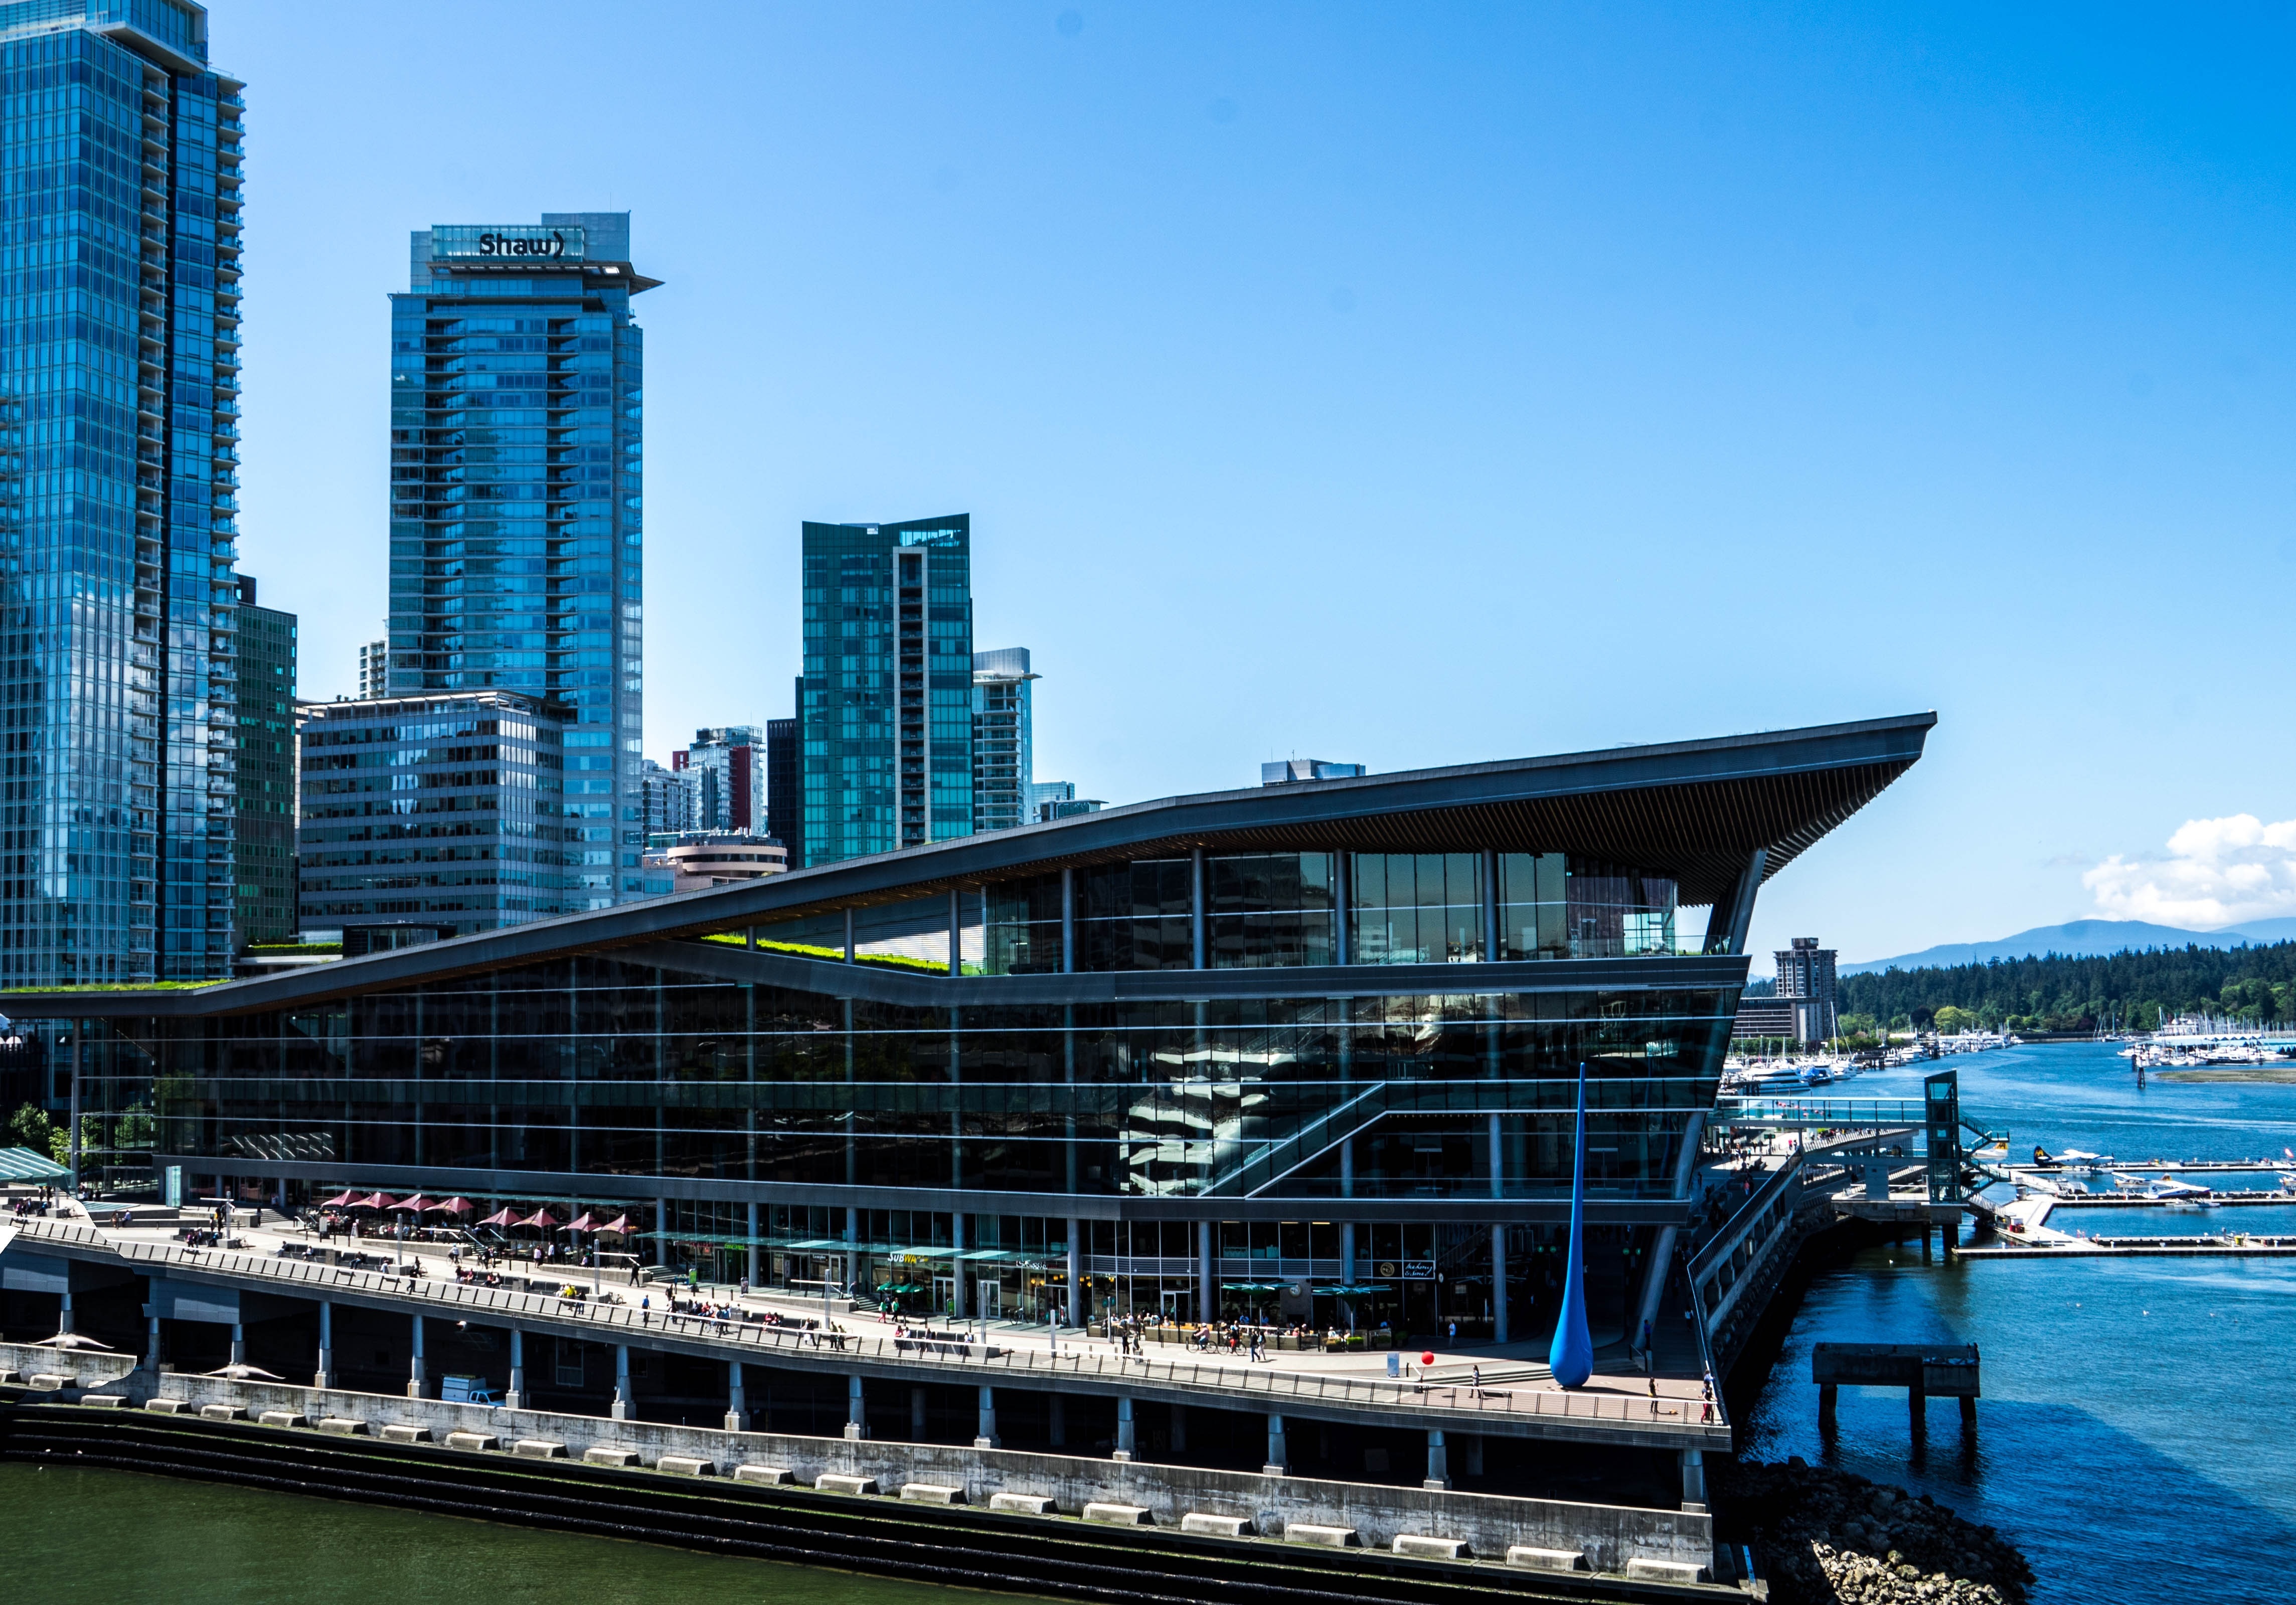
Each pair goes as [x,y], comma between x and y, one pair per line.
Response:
[264,834]
[433,817]
[885,705]
[120,300]
[517,549]
[1310,1050]
[1004,738]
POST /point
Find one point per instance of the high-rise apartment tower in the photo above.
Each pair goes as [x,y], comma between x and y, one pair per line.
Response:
[263,837]
[886,712]
[516,543]
[727,766]
[1004,738]
[118,427]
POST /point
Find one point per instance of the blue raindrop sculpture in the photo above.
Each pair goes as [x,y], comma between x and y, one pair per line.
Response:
[1572,1357]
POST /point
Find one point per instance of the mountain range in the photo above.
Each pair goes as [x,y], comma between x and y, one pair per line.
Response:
[2083,938]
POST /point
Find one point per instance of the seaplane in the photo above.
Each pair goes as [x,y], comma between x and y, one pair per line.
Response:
[2073,1161]
[2168,1189]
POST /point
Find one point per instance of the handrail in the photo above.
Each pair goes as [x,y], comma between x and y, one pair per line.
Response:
[1633,1411]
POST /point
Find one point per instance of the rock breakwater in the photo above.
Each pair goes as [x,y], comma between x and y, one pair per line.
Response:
[1836,1539]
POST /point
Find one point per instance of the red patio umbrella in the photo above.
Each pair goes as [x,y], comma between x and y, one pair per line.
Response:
[540,1217]
[415,1205]
[456,1206]
[586,1223]
[503,1216]
[378,1201]
[339,1200]
[619,1225]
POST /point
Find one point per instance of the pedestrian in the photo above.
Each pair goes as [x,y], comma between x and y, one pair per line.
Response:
[1455,1335]
[1706,1395]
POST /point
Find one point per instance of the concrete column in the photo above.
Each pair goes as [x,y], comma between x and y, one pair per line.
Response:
[1207,1282]
[848,936]
[1346,1253]
[1076,1273]
[1693,1481]
[1490,878]
[737,1408]
[1968,1414]
[152,1352]
[661,1232]
[325,1376]
[621,1410]
[515,1399]
[1828,1396]
[1925,1244]
[1438,1462]
[1917,1406]
[239,1348]
[417,1383]
[916,1415]
[1279,1461]
[1498,1277]
[857,1418]
[957,1265]
[1124,1438]
[1060,1423]
[986,1438]
[64,1319]
[955,932]
[755,1263]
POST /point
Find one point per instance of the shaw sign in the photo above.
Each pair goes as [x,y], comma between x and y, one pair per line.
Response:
[464,242]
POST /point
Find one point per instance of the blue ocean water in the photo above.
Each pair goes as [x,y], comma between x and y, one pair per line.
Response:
[2129,1439]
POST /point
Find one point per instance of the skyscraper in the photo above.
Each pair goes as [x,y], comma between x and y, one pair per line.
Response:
[784,787]
[727,766]
[264,842]
[516,541]
[119,320]
[375,668]
[1004,738]
[886,713]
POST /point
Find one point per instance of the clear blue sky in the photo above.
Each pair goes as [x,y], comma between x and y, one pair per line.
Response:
[1408,384]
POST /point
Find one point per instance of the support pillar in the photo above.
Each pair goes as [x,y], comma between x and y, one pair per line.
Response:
[661,1232]
[1279,1461]
[152,1352]
[1917,1406]
[916,1415]
[1499,1274]
[957,1264]
[1693,1480]
[417,1383]
[1124,1438]
[737,1409]
[857,1418]
[1060,1423]
[325,1375]
[1076,1273]
[1207,1286]
[986,1437]
[64,1320]
[1828,1399]
[621,1410]
[1925,1244]
[1968,1412]
[1438,1462]
[515,1399]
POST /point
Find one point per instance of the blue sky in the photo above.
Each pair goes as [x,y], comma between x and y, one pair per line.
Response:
[1414,385]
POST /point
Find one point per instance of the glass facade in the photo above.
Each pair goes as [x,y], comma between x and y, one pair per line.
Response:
[885,705]
[264,831]
[517,549]
[445,814]
[1004,739]
[119,324]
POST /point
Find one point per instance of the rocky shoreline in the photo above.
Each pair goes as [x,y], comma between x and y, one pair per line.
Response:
[1835,1538]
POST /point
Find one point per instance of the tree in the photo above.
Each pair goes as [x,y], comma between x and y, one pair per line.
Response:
[28,1128]
[1952,1018]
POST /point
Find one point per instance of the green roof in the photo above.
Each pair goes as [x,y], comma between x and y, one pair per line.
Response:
[23,1164]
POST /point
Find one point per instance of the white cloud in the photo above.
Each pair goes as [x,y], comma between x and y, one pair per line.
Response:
[2218,871]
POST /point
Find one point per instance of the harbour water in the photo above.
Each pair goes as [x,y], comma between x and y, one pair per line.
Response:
[2134,1434]
[73,1536]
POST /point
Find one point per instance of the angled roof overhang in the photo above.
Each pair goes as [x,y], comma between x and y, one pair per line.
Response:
[1693,810]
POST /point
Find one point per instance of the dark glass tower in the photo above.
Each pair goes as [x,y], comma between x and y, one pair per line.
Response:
[885,708]
[265,841]
[517,555]
[119,320]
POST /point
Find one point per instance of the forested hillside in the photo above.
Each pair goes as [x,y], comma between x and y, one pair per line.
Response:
[2057,994]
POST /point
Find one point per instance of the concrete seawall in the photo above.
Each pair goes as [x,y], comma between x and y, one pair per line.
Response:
[1609,1537]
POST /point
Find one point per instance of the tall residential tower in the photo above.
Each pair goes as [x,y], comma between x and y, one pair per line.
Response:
[516,540]
[120,326]
[1004,739]
[886,712]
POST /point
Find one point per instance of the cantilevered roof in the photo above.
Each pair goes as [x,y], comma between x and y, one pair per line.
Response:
[1694,810]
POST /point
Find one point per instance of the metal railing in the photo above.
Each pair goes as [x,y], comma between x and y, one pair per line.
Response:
[1441,1404]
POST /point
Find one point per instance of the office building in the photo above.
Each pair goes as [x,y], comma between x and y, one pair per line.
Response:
[784,785]
[886,705]
[727,766]
[433,817]
[264,834]
[670,804]
[698,860]
[1004,738]
[1294,770]
[1206,1054]
[1806,984]
[119,277]
[516,543]
[1053,799]
[374,669]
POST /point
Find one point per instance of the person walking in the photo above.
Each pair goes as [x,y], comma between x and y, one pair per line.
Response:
[1706,1395]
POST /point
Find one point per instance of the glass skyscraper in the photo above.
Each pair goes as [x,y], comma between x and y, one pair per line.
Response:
[885,706]
[1004,739]
[517,552]
[120,326]
[266,828]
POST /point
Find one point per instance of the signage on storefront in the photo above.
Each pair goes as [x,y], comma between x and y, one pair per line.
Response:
[1386,1267]
[1419,1270]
